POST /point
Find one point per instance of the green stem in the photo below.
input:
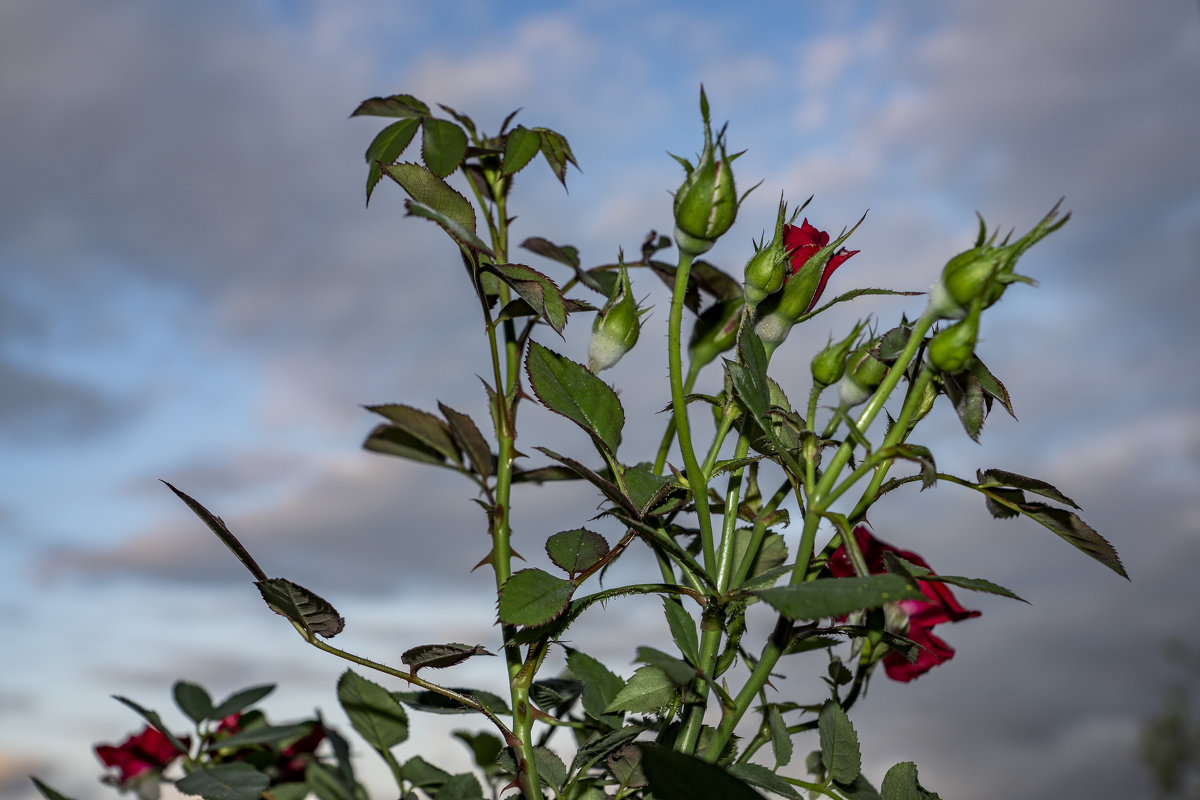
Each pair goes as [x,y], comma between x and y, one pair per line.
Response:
[729,521]
[664,447]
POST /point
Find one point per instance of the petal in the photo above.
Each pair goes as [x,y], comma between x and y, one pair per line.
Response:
[933,651]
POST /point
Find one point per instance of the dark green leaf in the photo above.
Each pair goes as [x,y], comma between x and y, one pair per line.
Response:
[568,388]
[969,401]
[391,440]
[47,792]
[440,656]
[914,452]
[422,426]
[193,700]
[533,597]
[555,693]
[520,146]
[397,105]
[648,691]
[373,711]
[676,776]
[463,786]
[430,190]
[241,700]
[644,488]
[434,703]
[598,747]
[894,564]
[557,153]
[469,438]
[991,385]
[443,145]
[155,721]
[386,148]
[236,781]
[626,766]
[608,488]
[565,254]
[541,293]
[424,775]
[577,550]
[839,743]
[781,740]
[998,477]
[463,119]
[680,672]
[600,685]
[549,766]
[859,789]
[464,237]
[1075,532]
[838,596]
[683,629]
[484,747]
[292,790]
[327,783]
[263,734]
[763,778]
[217,526]
[901,783]
[301,606]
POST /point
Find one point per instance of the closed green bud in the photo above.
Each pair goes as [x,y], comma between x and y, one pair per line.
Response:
[928,396]
[715,332]
[952,348]
[706,204]
[767,268]
[829,365]
[864,372]
[617,326]
[985,271]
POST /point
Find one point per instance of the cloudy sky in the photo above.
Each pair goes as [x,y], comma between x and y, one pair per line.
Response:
[191,289]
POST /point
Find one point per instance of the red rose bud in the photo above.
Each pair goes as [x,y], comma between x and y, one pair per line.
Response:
[986,270]
[617,326]
[864,372]
[952,348]
[706,204]
[715,331]
[829,365]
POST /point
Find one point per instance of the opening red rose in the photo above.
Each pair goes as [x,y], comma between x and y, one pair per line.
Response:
[147,751]
[921,615]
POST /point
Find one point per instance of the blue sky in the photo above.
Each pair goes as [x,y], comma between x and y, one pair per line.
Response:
[191,289]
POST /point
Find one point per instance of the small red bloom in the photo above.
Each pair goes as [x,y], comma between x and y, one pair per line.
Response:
[802,243]
[938,607]
[139,754]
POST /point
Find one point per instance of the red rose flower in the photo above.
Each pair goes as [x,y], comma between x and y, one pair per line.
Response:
[802,243]
[147,751]
[938,607]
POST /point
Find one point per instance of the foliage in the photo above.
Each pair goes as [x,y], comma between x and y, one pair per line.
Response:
[712,510]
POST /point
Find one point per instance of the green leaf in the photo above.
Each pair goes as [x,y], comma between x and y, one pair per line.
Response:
[991,385]
[606,487]
[901,783]
[484,748]
[895,564]
[541,293]
[969,401]
[555,693]
[648,691]
[839,743]
[520,146]
[440,656]
[565,254]
[781,740]
[193,700]
[859,789]
[236,781]
[549,766]
[386,147]
[683,629]
[422,426]
[464,237]
[241,700]
[680,672]
[470,439]
[397,105]
[155,721]
[760,776]
[301,606]
[1075,532]
[644,488]
[443,145]
[836,597]
[598,747]
[676,776]
[423,774]
[577,550]
[263,734]
[998,477]
[47,792]
[600,685]
[569,389]
[217,526]
[434,703]
[463,786]
[533,597]
[327,783]
[373,711]
[914,452]
[428,189]
[557,153]
[771,553]
[391,440]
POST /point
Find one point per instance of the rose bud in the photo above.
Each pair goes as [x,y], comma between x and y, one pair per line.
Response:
[706,204]
[952,348]
[617,326]
[864,372]
[829,365]
[715,331]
